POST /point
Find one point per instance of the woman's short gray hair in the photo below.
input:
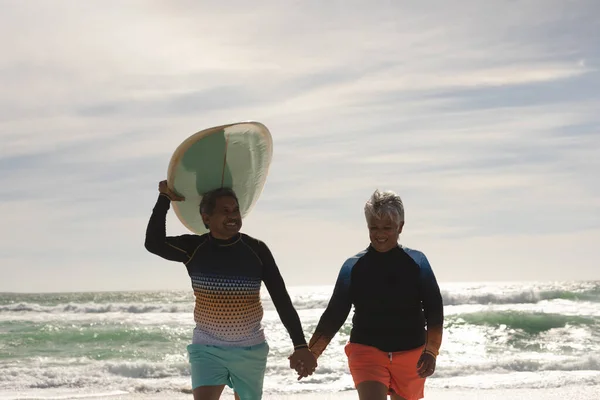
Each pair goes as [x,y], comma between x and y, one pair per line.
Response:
[385,203]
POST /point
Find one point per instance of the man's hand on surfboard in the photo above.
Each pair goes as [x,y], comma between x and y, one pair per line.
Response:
[164,189]
[426,365]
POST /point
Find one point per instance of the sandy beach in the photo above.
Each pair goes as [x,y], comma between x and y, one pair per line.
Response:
[510,394]
[571,393]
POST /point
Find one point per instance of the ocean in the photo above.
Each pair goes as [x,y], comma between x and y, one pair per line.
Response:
[520,335]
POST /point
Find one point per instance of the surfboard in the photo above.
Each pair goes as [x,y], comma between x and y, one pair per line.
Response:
[235,155]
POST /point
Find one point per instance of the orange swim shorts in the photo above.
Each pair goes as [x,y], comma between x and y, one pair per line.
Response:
[397,370]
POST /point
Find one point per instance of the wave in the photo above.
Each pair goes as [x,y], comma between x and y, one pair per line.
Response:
[92,341]
[589,363]
[147,370]
[179,366]
[528,322]
[136,376]
[98,308]
[473,297]
[525,296]
[98,297]
[310,299]
[173,375]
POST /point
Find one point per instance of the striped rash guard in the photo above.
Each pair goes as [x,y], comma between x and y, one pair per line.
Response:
[226,277]
[395,296]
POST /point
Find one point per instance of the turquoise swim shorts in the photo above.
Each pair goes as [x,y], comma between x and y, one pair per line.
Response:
[240,368]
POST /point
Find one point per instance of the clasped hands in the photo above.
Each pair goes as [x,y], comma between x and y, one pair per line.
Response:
[303,361]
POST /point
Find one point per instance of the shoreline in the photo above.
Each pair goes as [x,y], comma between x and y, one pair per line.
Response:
[561,393]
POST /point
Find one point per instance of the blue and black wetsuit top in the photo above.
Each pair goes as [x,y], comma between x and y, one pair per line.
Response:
[226,276]
[397,302]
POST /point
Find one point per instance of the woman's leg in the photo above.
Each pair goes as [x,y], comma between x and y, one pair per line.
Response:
[395,396]
[372,390]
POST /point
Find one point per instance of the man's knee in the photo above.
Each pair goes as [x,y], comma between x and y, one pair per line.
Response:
[208,392]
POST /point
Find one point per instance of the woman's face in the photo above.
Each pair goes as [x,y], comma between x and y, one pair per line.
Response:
[384,232]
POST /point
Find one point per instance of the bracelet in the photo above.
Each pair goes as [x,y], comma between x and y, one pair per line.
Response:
[301,346]
[431,353]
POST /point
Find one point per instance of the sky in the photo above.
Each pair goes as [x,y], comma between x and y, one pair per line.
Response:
[482,116]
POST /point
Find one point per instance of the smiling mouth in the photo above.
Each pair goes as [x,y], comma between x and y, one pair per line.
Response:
[232,224]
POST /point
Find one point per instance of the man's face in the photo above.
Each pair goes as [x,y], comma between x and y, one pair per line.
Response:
[225,221]
[384,233]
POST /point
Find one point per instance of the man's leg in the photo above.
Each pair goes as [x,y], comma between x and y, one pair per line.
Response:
[372,390]
[247,369]
[208,371]
[208,392]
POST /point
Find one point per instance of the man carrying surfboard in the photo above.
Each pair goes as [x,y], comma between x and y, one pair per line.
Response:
[395,296]
[227,268]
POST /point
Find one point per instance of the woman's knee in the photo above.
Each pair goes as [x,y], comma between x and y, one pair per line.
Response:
[395,396]
[372,390]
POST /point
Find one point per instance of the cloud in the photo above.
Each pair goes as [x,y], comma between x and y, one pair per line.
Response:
[483,116]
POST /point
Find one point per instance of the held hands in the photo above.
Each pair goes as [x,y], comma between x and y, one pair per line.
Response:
[163,188]
[304,362]
[426,365]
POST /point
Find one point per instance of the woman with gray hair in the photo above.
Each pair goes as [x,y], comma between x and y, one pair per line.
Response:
[398,312]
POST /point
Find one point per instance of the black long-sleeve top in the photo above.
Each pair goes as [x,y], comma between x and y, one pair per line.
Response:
[226,277]
[395,296]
